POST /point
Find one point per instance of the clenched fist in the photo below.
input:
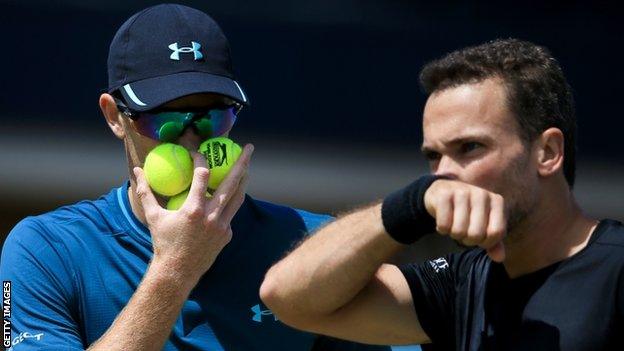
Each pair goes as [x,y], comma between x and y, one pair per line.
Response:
[469,214]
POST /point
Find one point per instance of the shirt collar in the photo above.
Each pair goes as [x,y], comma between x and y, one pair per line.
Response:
[138,229]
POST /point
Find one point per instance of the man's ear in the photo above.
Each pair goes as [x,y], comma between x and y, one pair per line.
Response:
[112,116]
[550,152]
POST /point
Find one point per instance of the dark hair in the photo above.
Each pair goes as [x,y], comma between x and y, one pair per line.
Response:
[537,92]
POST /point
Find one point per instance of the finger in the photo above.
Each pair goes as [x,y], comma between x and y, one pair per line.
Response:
[479,217]
[144,193]
[237,200]
[497,223]
[227,188]
[444,213]
[432,195]
[461,215]
[197,193]
[497,252]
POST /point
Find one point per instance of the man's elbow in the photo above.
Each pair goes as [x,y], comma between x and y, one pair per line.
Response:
[275,298]
[272,295]
[269,292]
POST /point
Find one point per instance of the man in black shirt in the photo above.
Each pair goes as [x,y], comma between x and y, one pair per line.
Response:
[499,132]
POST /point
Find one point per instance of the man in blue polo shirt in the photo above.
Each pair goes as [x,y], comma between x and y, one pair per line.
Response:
[123,273]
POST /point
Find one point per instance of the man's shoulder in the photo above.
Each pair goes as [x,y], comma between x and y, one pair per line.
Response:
[606,247]
[469,263]
[468,259]
[310,219]
[279,208]
[610,233]
[65,221]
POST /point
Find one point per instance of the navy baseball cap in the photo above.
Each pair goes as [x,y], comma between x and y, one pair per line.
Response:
[169,51]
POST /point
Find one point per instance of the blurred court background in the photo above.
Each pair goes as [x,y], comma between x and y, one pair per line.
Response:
[336,106]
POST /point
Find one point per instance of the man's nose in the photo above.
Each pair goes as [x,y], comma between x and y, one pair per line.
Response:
[448,167]
[189,139]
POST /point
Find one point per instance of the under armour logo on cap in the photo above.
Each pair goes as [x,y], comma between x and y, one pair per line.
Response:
[194,49]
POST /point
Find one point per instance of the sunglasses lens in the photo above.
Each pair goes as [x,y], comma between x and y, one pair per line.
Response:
[221,121]
[203,127]
[170,131]
[168,126]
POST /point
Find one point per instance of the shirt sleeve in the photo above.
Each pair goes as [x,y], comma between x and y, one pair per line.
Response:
[314,222]
[433,288]
[41,284]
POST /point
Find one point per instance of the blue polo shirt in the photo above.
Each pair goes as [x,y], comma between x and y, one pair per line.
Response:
[75,268]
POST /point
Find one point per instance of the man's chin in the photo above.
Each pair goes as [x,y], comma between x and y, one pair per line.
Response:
[518,220]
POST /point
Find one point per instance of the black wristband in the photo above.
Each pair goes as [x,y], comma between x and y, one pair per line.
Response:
[404,214]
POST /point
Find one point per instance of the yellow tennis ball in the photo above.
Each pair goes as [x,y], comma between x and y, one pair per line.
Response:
[221,153]
[177,201]
[169,169]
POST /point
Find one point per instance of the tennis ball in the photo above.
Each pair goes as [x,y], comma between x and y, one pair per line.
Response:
[177,201]
[169,169]
[221,153]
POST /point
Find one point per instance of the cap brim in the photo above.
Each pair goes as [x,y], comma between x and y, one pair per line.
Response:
[150,93]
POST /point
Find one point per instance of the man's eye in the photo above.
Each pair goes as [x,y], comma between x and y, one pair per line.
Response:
[432,156]
[468,147]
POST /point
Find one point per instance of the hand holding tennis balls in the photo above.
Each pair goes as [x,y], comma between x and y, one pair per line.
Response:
[221,153]
[187,242]
[169,169]
[175,202]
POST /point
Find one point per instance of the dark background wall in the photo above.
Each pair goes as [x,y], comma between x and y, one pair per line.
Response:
[336,103]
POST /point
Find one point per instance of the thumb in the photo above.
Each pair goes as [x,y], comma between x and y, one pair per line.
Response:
[145,195]
[497,252]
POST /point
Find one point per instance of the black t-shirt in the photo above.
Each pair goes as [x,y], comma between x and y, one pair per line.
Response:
[465,301]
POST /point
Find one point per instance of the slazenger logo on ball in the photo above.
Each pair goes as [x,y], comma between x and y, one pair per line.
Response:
[218,155]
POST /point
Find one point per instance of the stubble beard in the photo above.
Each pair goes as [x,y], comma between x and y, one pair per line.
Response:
[521,200]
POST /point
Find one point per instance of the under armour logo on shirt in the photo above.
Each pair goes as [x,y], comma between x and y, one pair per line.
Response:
[259,312]
[194,48]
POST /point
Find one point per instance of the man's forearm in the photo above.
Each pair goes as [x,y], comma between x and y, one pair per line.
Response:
[146,321]
[330,268]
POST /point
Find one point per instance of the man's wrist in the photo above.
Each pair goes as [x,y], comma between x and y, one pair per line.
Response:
[404,215]
[168,271]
